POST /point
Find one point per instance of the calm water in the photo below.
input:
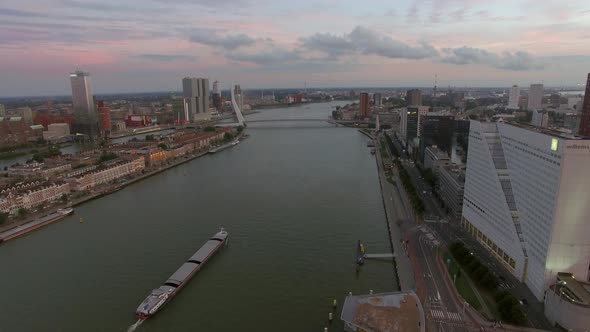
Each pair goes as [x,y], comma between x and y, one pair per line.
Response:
[295,198]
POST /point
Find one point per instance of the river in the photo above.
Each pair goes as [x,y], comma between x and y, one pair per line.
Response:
[294,196]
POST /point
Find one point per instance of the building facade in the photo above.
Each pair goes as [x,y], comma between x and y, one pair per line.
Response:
[107,174]
[451,183]
[535,100]
[377,99]
[30,196]
[526,200]
[567,303]
[435,158]
[56,132]
[196,94]
[104,119]
[364,104]
[85,115]
[513,97]
[585,121]
[414,97]
[436,129]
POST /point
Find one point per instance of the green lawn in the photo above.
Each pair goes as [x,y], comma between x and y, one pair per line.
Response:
[461,282]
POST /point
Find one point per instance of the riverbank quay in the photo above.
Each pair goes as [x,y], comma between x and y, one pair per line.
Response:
[395,216]
[107,189]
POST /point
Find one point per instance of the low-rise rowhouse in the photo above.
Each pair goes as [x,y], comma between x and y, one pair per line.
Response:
[36,169]
[29,196]
[107,174]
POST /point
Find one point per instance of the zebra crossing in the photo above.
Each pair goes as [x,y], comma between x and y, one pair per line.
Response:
[439,315]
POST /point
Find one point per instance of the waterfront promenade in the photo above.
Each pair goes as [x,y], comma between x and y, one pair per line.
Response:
[396,215]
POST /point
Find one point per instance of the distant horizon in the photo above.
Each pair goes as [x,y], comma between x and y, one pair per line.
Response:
[313,88]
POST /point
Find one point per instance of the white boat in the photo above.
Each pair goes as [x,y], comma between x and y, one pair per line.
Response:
[66,212]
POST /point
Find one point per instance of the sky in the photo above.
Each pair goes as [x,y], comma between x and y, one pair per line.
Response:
[149,45]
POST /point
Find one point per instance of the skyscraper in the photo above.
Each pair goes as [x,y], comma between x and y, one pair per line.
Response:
[526,200]
[585,121]
[377,99]
[196,93]
[2,111]
[414,97]
[216,97]
[104,119]
[364,103]
[513,97]
[85,116]
[535,97]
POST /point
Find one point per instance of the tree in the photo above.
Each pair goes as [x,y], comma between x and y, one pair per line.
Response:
[22,212]
[163,146]
[3,217]
[106,156]
[64,198]
[240,129]
[209,128]
[228,137]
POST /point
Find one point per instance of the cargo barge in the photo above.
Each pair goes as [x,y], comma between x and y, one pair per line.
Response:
[160,296]
[34,224]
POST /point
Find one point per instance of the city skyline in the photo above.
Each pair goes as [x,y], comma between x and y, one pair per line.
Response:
[148,46]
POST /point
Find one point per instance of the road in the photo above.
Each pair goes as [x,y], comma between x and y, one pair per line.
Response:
[416,258]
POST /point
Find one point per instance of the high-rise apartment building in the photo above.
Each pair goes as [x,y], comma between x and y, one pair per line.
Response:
[526,200]
[85,116]
[196,93]
[535,101]
[414,97]
[216,97]
[104,119]
[410,118]
[585,121]
[377,100]
[513,97]
[2,111]
[364,104]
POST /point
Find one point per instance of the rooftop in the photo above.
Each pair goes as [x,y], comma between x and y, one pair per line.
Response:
[547,131]
[438,153]
[574,290]
[457,173]
[386,312]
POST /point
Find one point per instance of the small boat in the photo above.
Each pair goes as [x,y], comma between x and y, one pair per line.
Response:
[66,211]
[360,254]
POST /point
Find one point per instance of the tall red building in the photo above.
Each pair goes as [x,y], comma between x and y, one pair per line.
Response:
[364,103]
[104,118]
[585,122]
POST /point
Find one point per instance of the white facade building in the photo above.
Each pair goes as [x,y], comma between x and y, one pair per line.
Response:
[56,131]
[196,93]
[526,200]
[535,101]
[513,97]
[540,118]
